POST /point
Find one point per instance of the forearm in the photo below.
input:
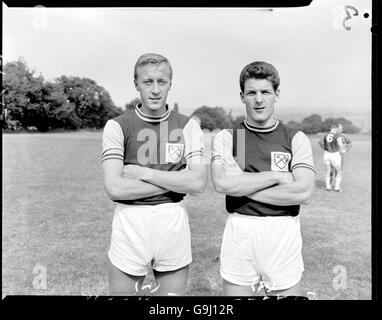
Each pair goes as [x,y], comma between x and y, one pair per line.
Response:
[245,183]
[283,195]
[132,189]
[184,181]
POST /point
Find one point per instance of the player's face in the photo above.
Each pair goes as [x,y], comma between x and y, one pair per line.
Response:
[153,83]
[259,99]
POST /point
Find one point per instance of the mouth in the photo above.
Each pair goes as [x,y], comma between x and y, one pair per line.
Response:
[259,109]
[154,99]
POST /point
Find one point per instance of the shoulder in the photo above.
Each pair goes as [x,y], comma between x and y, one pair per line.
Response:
[120,126]
[127,115]
[188,123]
[224,134]
[181,118]
[222,139]
[290,133]
[296,136]
[125,118]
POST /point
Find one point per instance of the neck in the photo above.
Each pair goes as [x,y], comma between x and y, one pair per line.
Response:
[270,122]
[162,110]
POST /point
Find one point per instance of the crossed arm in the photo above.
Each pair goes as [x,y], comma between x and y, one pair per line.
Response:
[135,182]
[297,192]
[277,188]
[189,180]
[119,187]
[245,183]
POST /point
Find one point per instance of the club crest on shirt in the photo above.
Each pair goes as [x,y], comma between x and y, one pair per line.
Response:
[280,161]
[174,152]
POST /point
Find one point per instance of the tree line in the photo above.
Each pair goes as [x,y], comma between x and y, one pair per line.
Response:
[29,102]
[218,118]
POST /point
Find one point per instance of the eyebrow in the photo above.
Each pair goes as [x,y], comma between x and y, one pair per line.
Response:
[254,89]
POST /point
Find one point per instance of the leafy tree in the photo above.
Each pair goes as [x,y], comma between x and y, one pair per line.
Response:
[229,120]
[29,101]
[60,112]
[294,124]
[238,120]
[211,118]
[92,103]
[312,124]
[22,94]
[348,126]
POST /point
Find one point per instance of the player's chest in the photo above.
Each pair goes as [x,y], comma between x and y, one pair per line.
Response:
[267,155]
[160,144]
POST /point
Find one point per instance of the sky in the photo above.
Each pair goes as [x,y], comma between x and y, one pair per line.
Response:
[321,65]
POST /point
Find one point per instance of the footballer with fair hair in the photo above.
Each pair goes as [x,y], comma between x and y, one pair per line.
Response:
[152,157]
[266,171]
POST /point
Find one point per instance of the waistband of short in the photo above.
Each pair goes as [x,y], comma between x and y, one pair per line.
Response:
[262,218]
[122,206]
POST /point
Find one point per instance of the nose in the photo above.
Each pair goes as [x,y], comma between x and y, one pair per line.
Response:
[259,97]
[155,88]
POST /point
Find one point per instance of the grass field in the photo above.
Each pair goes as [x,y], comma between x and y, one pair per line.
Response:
[56,215]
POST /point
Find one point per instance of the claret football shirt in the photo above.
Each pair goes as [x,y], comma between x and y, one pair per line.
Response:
[251,149]
[168,142]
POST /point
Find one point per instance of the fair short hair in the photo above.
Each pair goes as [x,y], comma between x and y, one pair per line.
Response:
[153,58]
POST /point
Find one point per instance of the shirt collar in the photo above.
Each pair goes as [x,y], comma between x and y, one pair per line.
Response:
[270,128]
[151,118]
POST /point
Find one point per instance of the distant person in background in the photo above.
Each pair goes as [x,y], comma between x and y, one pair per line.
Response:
[334,147]
[346,142]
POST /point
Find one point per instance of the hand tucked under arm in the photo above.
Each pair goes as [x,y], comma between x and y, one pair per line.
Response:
[295,193]
[190,180]
[119,187]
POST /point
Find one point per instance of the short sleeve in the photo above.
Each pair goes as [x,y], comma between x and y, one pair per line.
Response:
[194,143]
[112,141]
[222,152]
[302,155]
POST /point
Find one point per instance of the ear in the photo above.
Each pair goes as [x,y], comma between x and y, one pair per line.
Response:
[136,85]
[242,97]
[277,95]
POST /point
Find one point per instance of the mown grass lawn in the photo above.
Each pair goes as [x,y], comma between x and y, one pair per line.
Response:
[57,215]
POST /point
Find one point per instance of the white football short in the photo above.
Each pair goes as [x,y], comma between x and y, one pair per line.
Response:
[332,158]
[145,236]
[262,251]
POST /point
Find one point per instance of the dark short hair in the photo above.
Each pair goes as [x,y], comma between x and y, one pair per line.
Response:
[260,70]
[153,58]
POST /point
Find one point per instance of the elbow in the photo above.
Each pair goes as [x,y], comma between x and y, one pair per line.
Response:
[305,200]
[112,192]
[219,186]
[199,186]
[306,196]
